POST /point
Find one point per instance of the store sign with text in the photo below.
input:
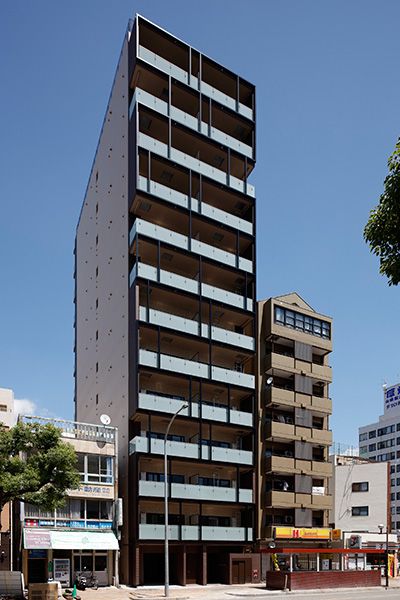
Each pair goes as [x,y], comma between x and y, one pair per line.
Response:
[301,533]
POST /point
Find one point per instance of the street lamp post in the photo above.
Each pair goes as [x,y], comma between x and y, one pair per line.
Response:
[166,588]
[380,527]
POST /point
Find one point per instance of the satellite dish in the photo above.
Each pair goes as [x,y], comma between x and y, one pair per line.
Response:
[105,419]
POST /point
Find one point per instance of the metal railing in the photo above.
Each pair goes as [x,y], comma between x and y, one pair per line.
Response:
[75,430]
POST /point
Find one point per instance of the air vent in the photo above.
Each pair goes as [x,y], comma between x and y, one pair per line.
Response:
[217,237]
[218,160]
[167,176]
[145,122]
[166,256]
[146,206]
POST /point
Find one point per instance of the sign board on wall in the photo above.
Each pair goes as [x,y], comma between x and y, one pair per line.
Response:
[302,533]
[336,534]
[392,399]
[105,492]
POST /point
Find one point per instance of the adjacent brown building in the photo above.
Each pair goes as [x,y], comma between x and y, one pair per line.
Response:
[294,343]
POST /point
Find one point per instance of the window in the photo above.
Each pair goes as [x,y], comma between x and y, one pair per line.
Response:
[97,334]
[360,487]
[392,496]
[160,477]
[97,271]
[392,482]
[95,468]
[3,407]
[386,444]
[397,496]
[294,320]
[392,510]
[392,468]
[359,511]
[372,447]
[97,239]
[398,468]
[363,436]
[398,427]
[386,430]
[363,450]
[398,481]
[97,367]
[97,303]
[397,524]
[372,434]
[75,509]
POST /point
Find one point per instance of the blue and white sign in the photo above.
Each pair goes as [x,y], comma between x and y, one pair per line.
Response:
[392,399]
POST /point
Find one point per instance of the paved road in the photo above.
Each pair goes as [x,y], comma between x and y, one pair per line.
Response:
[246,592]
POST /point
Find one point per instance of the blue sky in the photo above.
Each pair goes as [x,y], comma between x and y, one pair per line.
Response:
[327,110]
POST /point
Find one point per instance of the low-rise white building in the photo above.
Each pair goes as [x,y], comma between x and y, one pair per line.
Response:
[361,507]
[82,535]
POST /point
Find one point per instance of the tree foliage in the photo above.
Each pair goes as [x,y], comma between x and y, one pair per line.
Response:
[382,231]
[36,465]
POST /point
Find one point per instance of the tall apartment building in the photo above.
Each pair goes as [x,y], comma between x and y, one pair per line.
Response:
[294,437]
[381,441]
[165,306]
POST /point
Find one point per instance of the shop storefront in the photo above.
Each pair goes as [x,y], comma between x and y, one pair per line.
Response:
[60,555]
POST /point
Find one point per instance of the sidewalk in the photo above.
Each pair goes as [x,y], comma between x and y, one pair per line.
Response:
[199,592]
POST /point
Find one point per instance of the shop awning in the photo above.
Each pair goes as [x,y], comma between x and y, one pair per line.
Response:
[70,540]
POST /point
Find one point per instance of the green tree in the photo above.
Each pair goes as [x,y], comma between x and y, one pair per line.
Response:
[382,231]
[36,465]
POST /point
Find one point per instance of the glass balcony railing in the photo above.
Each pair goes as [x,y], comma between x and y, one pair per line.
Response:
[190,162]
[191,450]
[189,285]
[194,532]
[163,319]
[175,197]
[212,413]
[196,369]
[157,232]
[183,76]
[188,491]
[189,121]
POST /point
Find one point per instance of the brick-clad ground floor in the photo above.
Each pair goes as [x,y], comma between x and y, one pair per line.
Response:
[322,580]
[202,564]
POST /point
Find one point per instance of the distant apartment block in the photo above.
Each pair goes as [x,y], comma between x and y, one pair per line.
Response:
[380,441]
[166,307]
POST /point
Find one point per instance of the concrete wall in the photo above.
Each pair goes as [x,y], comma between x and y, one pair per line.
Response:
[102,243]
[376,498]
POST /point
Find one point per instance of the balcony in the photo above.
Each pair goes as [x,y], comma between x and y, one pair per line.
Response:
[322,436]
[283,464]
[279,361]
[170,195]
[276,499]
[322,469]
[196,532]
[189,285]
[285,431]
[183,76]
[194,368]
[188,120]
[323,372]
[220,414]
[190,162]
[189,450]
[285,397]
[158,233]
[185,491]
